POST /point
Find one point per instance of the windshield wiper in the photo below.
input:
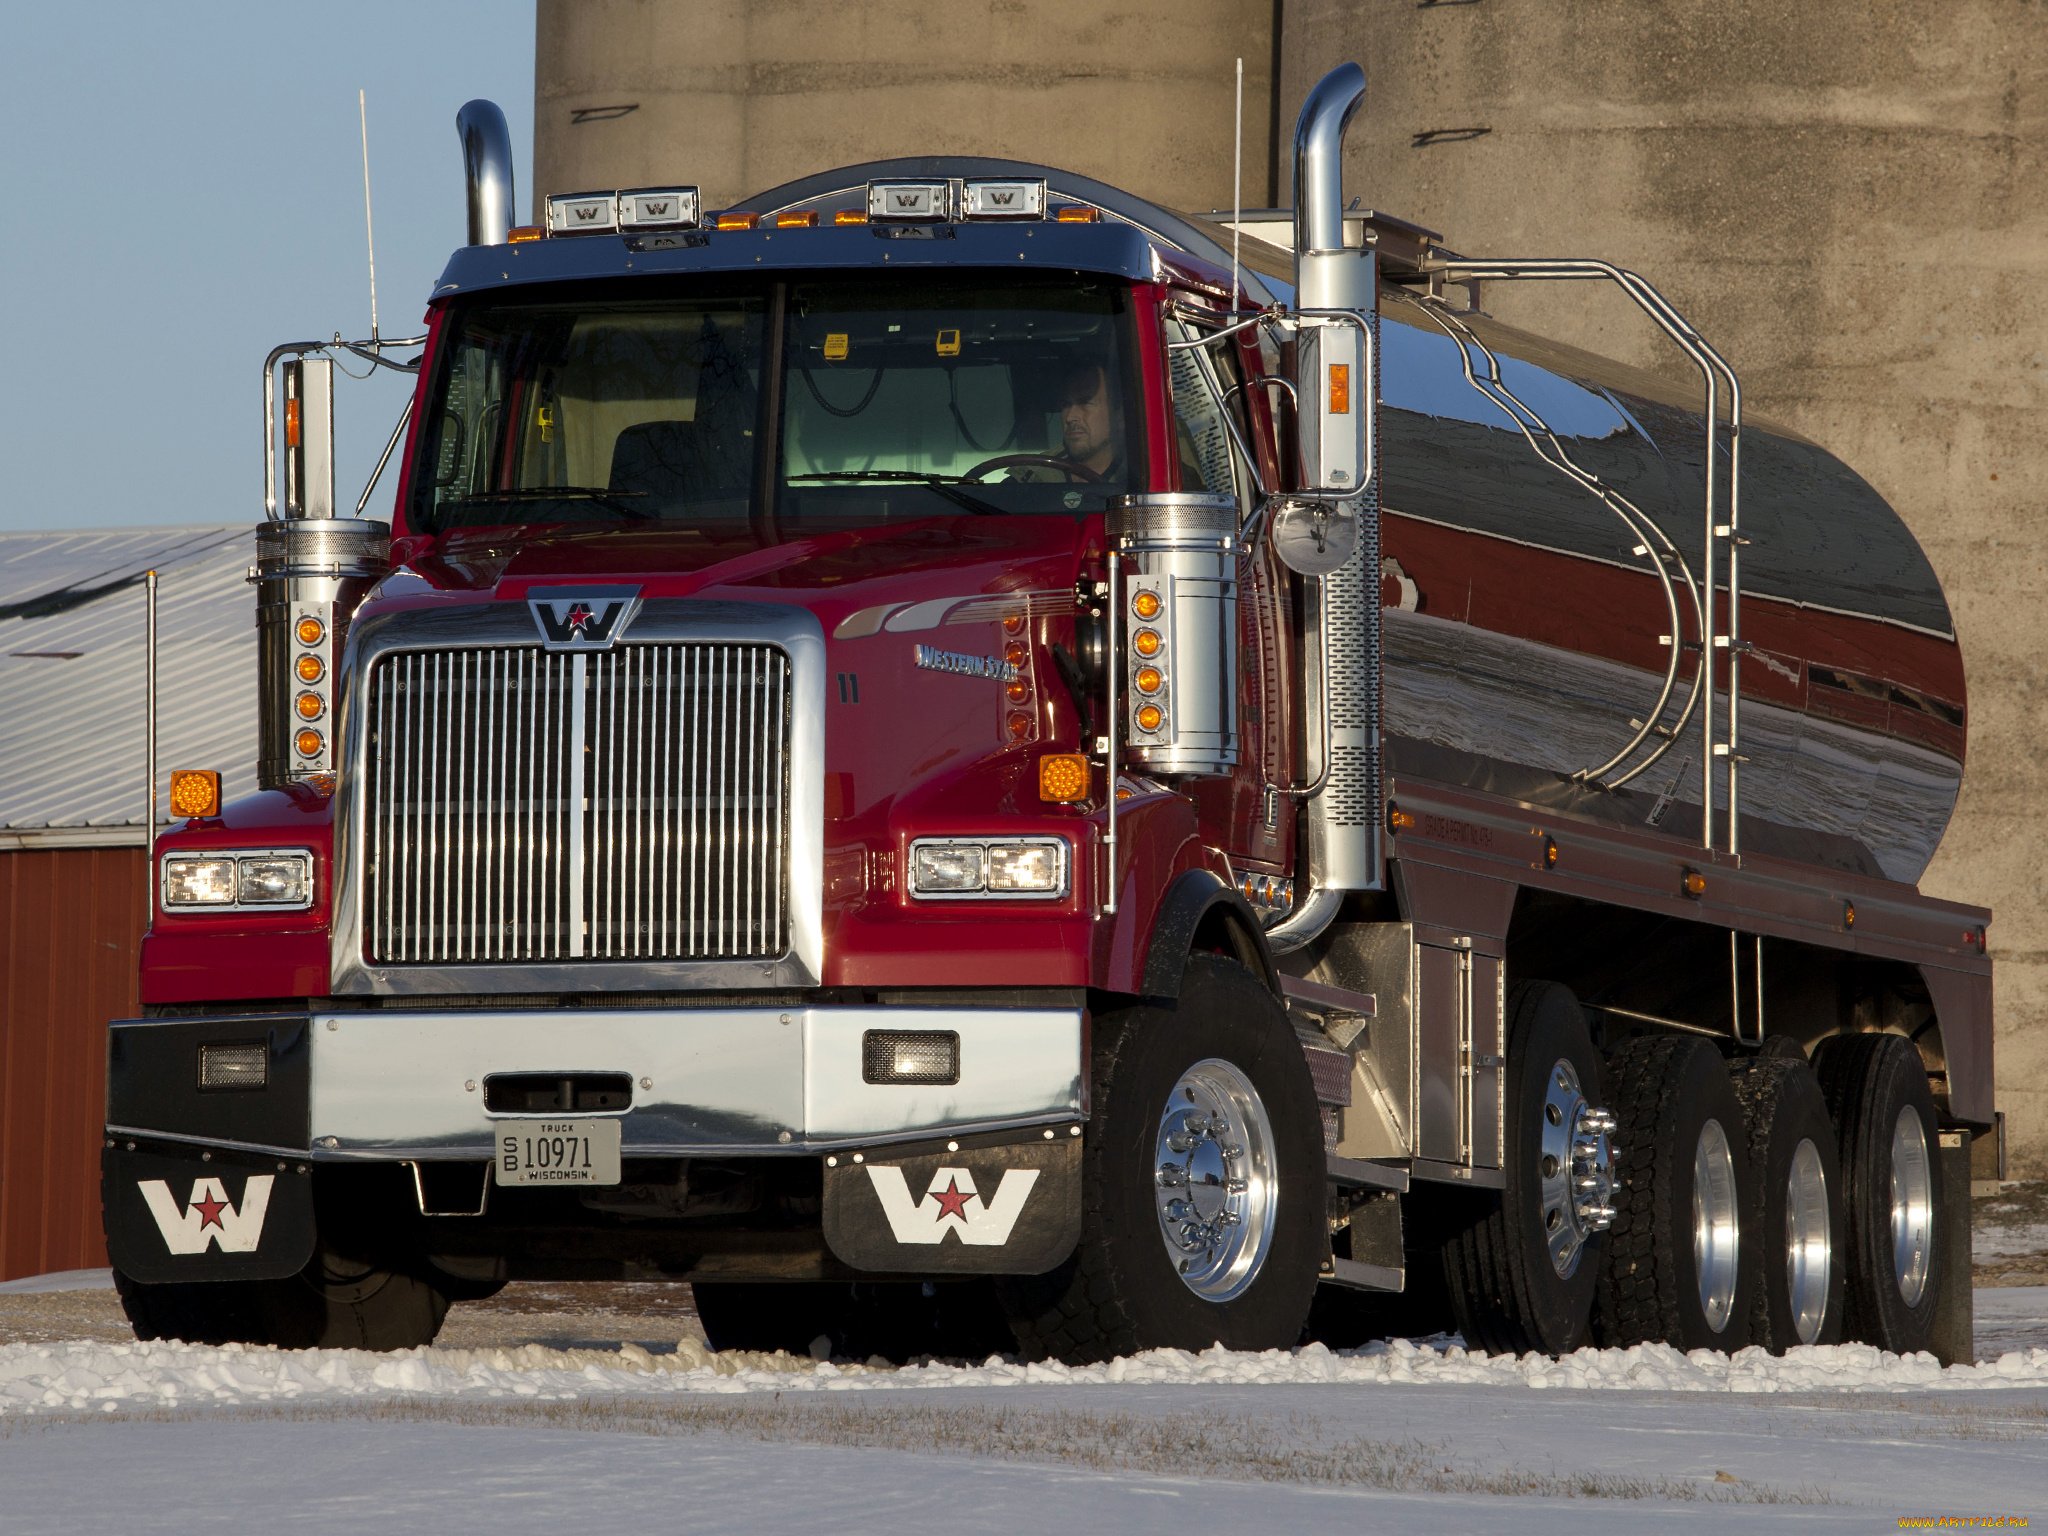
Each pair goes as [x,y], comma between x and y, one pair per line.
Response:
[597,493]
[947,486]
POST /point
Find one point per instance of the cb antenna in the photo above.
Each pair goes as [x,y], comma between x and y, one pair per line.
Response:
[1238,181]
[369,230]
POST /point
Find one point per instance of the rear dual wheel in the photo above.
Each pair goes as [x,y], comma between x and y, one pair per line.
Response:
[1795,1211]
[1679,1266]
[1876,1092]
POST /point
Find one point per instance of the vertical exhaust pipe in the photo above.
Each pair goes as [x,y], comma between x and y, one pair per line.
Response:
[1345,833]
[1325,274]
[487,166]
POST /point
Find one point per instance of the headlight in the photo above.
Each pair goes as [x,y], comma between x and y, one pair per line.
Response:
[204,881]
[955,868]
[267,878]
[277,880]
[948,867]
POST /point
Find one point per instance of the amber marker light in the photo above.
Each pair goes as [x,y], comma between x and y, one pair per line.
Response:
[738,220]
[311,631]
[1549,853]
[519,234]
[1077,213]
[1019,724]
[1146,642]
[1146,605]
[291,423]
[309,743]
[1399,820]
[796,221]
[850,216]
[1018,691]
[309,706]
[1148,680]
[310,669]
[195,792]
[1014,624]
[1693,883]
[1340,389]
[1848,914]
[1063,777]
[1150,717]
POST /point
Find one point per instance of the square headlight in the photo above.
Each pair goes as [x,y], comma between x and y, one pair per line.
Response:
[948,868]
[276,880]
[1038,868]
[204,881]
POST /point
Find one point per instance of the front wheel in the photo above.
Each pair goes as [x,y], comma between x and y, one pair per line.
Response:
[1205,1218]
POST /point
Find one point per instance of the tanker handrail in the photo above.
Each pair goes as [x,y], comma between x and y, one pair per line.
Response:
[1712,366]
[1632,517]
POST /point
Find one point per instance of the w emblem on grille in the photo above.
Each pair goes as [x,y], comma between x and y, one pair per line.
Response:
[582,618]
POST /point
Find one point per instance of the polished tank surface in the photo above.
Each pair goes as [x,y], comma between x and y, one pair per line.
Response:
[1528,635]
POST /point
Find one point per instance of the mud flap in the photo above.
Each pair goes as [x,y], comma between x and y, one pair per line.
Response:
[992,1207]
[173,1216]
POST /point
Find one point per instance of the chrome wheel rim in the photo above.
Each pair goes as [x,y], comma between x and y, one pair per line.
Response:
[1716,1231]
[1912,1206]
[1574,1169]
[1809,1242]
[1217,1189]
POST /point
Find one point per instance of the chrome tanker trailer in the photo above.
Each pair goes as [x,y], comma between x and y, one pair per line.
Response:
[963,761]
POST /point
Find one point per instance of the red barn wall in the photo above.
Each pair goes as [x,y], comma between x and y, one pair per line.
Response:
[71,922]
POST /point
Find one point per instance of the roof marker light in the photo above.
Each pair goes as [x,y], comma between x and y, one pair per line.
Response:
[583,213]
[850,216]
[908,202]
[738,220]
[519,234]
[1078,213]
[796,220]
[1002,200]
[647,208]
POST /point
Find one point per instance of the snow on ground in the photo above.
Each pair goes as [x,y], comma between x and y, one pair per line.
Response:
[45,1378]
[60,1280]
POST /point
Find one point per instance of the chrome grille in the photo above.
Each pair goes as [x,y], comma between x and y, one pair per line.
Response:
[528,805]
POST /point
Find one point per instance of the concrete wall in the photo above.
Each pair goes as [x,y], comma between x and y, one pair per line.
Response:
[737,96]
[1851,202]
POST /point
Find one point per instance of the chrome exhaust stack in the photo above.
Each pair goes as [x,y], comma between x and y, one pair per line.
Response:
[487,168]
[1345,831]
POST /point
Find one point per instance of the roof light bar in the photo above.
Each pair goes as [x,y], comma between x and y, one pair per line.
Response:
[583,213]
[908,202]
[1002,200]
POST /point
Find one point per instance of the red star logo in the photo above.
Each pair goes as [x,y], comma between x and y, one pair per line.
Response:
[951,1201]
[579,615]
[209,1211]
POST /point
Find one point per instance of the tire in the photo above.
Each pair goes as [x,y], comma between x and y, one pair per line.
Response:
[1523,1264]
[897,1320]
[1680,1155]
[1226,1039]
[1796,1203]
[332,1304]
[1877,1096]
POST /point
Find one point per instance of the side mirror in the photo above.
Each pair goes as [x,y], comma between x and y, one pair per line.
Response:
[1334,413]
[1313,538]
[309,437]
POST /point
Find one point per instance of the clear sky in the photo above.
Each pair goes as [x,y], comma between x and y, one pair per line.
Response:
[183,190]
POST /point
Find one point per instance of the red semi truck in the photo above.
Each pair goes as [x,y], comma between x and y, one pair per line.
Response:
[963,762]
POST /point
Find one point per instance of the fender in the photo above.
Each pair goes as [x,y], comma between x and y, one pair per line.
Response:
[1198,900]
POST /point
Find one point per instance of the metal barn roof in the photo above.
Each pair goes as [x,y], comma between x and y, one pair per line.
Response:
[72,675]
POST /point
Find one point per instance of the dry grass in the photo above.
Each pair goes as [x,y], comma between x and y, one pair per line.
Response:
[1239,1447]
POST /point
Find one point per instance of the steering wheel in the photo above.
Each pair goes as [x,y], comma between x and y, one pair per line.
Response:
[1011,460]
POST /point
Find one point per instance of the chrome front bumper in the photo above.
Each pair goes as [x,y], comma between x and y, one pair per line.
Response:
[736,1081]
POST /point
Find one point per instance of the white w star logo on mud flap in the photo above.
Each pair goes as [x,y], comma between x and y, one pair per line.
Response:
[951,1205]
[209,1217]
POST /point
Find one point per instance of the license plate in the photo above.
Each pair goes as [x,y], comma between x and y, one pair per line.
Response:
[558,1152]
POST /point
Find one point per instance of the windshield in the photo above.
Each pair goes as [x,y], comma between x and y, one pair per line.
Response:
[883,398]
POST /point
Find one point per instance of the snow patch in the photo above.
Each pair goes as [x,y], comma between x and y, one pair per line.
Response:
[45,1378]
[60,1280]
